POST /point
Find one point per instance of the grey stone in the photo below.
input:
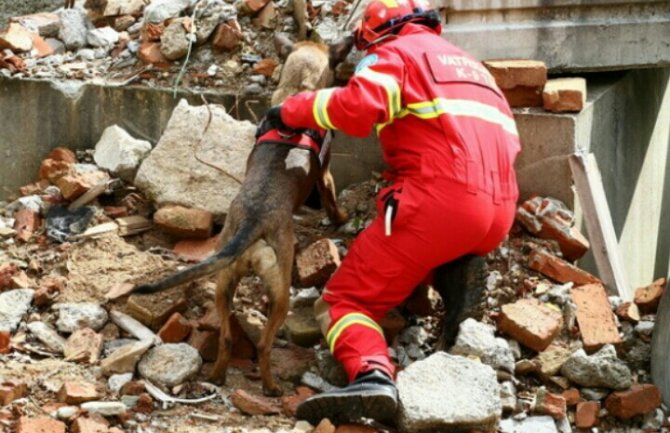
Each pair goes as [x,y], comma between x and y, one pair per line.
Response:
[120,153]
[175,40]
[48,336]
[13,305]
[533,424]
[209,14]
[125,358]
[102,37]
[67,412]
[105,408]
[594,394]
[87,54]
[111,8]
[253,89]
[167,174]
[316,382]
[170,364]
[478,339]
[645,328]
[329,369]
[74,27]
[161,10]
[414,335]
[302,328]
[445,392]
[638,356]
[80,315]
[600,370]
[116,381]
[508,396]
[111,346]
[304,297]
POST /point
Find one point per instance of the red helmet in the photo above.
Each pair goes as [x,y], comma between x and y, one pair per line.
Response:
[385,17]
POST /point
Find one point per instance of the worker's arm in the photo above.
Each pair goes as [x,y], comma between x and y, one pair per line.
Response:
[371,97]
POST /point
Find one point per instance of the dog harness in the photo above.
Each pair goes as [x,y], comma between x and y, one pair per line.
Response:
[317,141]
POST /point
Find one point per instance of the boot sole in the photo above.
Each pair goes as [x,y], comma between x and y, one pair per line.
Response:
[342,409]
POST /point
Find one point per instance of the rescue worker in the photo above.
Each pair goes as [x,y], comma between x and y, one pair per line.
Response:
[449,138]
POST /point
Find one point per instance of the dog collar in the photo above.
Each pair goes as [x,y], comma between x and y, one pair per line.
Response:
[317,141]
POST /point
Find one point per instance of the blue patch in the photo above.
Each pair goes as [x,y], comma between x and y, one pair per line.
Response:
[366,62]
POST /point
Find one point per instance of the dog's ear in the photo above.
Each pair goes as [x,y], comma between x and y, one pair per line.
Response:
[340,50]
[283,45]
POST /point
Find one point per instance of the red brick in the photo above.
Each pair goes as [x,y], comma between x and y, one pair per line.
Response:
[48,290]
[115,211]
[42,49]
[558,269]
[393,324]
[152,32]
[265,67]
[119,290]
[52,406]
[63,154]
[638,400]
[52,169]
[551,404]
[227,36]
[134,387]
[77,392]
[531,323]
[16,38]
[546,219]
[325,426]
[523,96]
[253,6]
[34,188]
[629,312]
[317,262]
[145,404]
[197,250]
[253,404]
[587,414]
[513,73]
[595,318]
[207,343]
[84,345]
[7,271]
[5,341]
[73,185]
[150,53]
[265,19]
[184,223]
[572,396]
[648,298]
[39,425]
[290,403]
[11,390]
[564,95]
[27,222]
[176,329]
[91,424]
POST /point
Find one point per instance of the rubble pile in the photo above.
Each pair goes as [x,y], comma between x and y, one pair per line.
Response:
[223,44]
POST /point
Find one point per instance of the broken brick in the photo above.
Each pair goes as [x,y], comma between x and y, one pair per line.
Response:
[77,392]
[150,53]
[154,310]
[266,17]
[558,269]
[134,387]
[253,404]
[84,345]
[34,188]
[196,250]
[63,154]
[265,67]
[253,6]
[5,341]
[227,36]
[152,32]
[572,396]
[90,424]
[509,74]
[586,415]
[72,186]
[206,342]
[115,211]
[27,222]
[638,400]
[144,404]
[11,390]
[550,404]
[52,169]
[647,298]
[40,47]
[531,323]
[39,425]
[176,329]
[184,223]
[325,426]
[7,271]
[317,262]
[119,290]
[48,290]
[17,38]
[21,281]
[523,96]
[597,323]
[564,95]
[629,312]
[290,403]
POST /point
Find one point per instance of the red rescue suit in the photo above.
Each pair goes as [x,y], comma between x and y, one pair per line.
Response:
[449,138]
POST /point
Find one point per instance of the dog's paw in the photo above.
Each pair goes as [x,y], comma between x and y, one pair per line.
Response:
[341,216]
[272,391]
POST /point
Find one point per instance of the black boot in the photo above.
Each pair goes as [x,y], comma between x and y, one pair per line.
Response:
[372,395]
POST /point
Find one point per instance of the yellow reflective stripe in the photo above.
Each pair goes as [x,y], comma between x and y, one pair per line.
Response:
[463,107]
[390,3]
[347,321]
[320,108]
[390,85]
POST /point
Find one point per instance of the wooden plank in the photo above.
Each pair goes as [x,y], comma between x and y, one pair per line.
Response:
[598,219]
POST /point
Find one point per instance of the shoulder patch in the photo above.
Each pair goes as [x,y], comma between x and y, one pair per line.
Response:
[366,62]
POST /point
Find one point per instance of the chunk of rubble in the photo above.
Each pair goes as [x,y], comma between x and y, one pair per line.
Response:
[45,24]
[120,153]
[48,336]
[476,404]
[105,408]
[317,262]
[175,39]
[647,298]
[533,424]
[74,316]
[27,424]
[170,364]
[558,269]
[160,10]
[103,37]
[84,345]
[302,328]
[478,339]
[531,323]
[77,392]
[117,381]
[73,29]
[600,370]
[639,400]
[13,305]
[16,38]
[166,175]
[597,323]
[253,404]
[125,358]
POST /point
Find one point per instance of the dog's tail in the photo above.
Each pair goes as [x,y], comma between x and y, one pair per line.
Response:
[243,239]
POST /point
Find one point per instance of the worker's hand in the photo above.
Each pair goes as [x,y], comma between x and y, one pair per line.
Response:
[271,120]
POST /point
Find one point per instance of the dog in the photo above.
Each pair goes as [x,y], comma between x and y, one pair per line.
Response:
[258,234]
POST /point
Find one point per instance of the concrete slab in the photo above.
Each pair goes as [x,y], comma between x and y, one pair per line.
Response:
[569,35]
